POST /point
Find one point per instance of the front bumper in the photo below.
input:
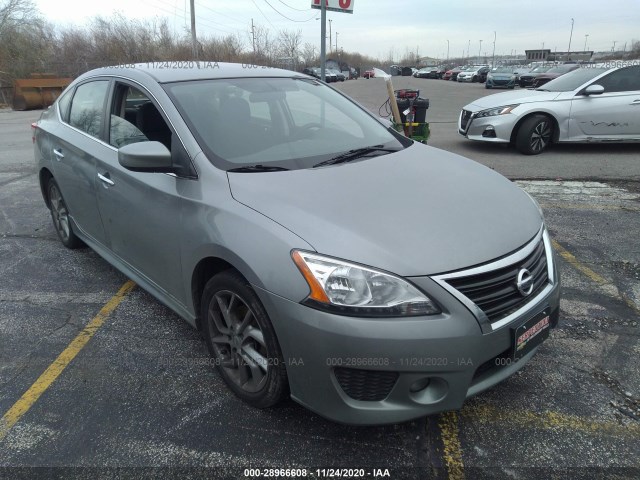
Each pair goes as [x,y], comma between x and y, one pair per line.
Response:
[464,79]
[448,352]
[495,129]
[501,83]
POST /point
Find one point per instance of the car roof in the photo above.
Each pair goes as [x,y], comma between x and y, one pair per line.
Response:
[182,71]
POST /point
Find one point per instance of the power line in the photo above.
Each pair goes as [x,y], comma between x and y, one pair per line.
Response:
[283,15]
[293,8]
[220,13]
[265,17]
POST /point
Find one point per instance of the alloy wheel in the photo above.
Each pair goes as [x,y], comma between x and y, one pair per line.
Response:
[59,212]
[540,136]
[238,341]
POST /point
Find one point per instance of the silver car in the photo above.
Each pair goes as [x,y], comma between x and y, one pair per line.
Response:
[322,255]
[590,104]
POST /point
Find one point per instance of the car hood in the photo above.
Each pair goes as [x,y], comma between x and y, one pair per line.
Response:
[548,75]
[416,212]
[502,75]
[511,98]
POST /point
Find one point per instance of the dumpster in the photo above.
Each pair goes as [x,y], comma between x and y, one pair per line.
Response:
[39,91]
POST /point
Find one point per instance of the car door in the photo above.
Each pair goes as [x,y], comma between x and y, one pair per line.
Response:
[613,114]
[77,141]
[142,210]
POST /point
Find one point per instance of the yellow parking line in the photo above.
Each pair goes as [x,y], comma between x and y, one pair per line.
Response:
[31,396]
[548,421]
[452,449]
[599,279]
[573,261]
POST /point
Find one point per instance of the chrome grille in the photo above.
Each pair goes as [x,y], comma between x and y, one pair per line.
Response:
[496,293]
[466,115]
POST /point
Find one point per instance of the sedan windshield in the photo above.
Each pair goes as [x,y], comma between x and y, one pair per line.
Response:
[502,70]
[572,80]
[291,123]
[540,69]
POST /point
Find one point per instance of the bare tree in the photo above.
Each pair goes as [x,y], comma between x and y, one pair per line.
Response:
[309,54]
[289,45]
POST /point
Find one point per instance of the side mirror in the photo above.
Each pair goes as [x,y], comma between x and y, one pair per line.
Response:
[594,90]
[146,157]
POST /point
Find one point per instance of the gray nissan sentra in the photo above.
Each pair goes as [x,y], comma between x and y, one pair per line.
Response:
[322,255]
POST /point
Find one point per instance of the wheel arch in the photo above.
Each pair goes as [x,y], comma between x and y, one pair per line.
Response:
[204,270]
[556,125]
[44,175]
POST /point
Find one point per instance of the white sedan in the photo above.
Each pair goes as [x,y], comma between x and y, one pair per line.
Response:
[596,103]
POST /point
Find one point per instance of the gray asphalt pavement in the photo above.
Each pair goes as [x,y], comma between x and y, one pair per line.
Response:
[142,392]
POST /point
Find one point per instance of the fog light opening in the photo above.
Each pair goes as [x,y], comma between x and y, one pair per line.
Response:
[489,132]
[428,390]
[419,385]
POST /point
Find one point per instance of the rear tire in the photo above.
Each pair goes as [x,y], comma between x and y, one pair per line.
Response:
[241,339]
[534,135]
[60,216]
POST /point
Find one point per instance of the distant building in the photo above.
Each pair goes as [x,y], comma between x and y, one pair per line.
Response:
[428,61]
[546,55]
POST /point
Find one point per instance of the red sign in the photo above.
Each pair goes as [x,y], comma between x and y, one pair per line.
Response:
[344,6]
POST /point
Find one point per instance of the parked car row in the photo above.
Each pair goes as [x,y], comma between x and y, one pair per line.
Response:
[330,74]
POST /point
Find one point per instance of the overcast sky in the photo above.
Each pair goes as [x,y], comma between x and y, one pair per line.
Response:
[377,26]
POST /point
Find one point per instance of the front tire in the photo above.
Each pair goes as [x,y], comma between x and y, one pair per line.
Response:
[241,339]
[534,135]
[60,216]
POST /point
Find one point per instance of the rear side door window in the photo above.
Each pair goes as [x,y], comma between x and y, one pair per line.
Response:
[88,107]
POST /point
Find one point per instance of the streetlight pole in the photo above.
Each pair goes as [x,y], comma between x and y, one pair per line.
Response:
[447,51]
[330,37]
[613,49]
[493,61]
[468,47]
[585,42]
[479,51]
[336,41]
[570,37]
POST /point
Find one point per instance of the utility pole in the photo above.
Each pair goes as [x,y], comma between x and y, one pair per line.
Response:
[570,37]
[253,37]
[330,37]
[585,42]
[194,40]
[613,49]
[493,61]
[323,42]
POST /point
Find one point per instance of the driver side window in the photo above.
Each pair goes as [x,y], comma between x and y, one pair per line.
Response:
[134,118]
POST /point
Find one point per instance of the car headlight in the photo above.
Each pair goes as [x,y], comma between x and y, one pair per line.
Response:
[492,112]
[489,77]
[350,289]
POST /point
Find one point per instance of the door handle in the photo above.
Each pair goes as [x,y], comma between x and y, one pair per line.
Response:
[58,153]
[105,179]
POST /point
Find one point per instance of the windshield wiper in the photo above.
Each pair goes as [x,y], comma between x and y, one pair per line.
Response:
[257,168]
[354,154]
